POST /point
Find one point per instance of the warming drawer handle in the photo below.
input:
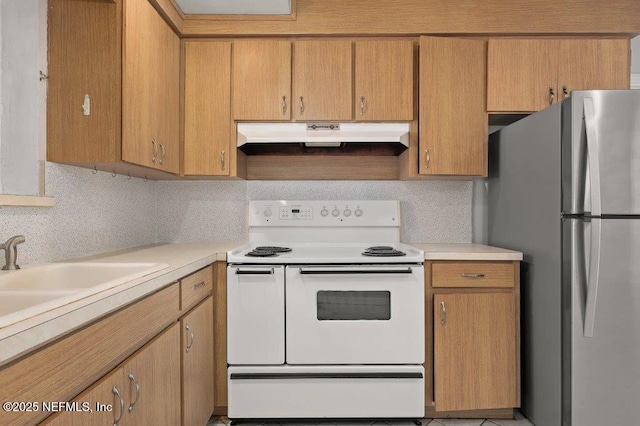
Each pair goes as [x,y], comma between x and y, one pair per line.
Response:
[354,271]
[254,272]
[297,376]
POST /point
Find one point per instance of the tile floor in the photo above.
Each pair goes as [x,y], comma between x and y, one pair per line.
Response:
[519,420]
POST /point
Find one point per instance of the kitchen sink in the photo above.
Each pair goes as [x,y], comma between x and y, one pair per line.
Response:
[36,289]
[76,276]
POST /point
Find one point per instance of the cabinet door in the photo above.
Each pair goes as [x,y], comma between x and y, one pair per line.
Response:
[586,64]
[384,80]
[261,80]
[153,375]
[167,96]
[453,139]
[520,73]
[207,103]
[108,391]
[322,80]
[197,365]
[139,97]
[475,351]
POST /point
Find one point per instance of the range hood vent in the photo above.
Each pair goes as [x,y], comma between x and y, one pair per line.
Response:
[323,135]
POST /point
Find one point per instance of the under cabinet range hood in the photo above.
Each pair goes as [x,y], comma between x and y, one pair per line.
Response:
[323,135]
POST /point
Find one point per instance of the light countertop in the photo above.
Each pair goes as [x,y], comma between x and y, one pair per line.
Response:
[466,252]
[183,259]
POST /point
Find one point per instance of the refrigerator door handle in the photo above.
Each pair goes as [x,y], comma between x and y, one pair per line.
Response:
[593,278]
[592,154]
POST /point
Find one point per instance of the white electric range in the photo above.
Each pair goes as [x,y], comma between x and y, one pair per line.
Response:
[325,311]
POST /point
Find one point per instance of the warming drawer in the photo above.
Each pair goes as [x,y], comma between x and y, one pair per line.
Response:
[326,391]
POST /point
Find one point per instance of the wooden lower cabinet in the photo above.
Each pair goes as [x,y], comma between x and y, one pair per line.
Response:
[473,338]
[153,376]
[145,390]
[197,364]
[474,351]
[105,399]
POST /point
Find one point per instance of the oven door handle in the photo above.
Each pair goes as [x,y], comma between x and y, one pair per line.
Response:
[293,376]
[354,271]
[254,271]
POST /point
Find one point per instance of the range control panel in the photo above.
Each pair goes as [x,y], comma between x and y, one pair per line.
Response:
[324,213]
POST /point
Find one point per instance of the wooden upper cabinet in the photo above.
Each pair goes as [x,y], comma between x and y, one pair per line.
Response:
[261,80]
[139,82]
[167,88]
[593,64]
[150,88]
[453,117]
[521,73]
[207,107]
[322,80]
[527,75]
[475,351]
[384,77]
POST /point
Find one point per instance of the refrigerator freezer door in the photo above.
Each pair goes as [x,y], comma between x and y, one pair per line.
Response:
[601,152]
[602,352]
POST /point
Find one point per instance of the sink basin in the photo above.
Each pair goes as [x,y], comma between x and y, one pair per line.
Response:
[37,289]
[12,301]
[76,276]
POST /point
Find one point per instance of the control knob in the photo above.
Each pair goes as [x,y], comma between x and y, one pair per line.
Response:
[335,212]
[346,212]
[268,213]
[324,212]
[358,212]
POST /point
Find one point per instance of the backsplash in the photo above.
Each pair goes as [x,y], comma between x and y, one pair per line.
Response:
[432,211]
[94,213]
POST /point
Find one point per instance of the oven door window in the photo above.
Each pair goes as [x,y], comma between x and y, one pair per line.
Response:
[354,305]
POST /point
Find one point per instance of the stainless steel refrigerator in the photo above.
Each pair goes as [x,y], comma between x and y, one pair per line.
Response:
[564,188]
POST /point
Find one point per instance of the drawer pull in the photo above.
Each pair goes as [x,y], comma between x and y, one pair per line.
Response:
[443,321]
[199,285]
[473,276]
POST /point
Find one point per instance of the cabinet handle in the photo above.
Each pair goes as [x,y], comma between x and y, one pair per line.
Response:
[155,151]
[565,92]
[116,393]
[164,153]
[443,321]
[222,162]
[301,105]
[361,105]
[197,286]
[133,380]
[427,159]
[552,95]
[474,276]
[284,105]
[189,335]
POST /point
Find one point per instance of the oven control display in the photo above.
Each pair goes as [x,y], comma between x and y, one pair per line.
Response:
[296,212]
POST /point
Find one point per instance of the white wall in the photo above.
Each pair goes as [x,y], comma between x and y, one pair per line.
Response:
[20,116]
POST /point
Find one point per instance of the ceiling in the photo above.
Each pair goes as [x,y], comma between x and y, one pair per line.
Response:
[235,7]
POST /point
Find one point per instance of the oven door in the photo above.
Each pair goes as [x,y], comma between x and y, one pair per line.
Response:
[362,314]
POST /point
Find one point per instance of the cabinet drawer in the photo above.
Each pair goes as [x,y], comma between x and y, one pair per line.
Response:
[472,274]
[195,287]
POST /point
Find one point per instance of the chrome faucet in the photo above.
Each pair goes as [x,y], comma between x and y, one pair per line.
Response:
[10,248]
